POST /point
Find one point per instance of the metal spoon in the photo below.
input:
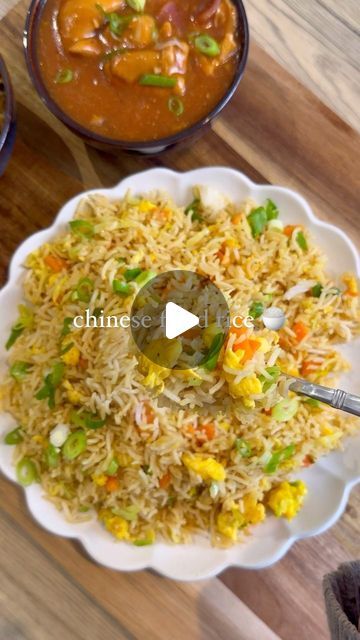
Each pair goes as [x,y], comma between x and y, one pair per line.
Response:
[334,397]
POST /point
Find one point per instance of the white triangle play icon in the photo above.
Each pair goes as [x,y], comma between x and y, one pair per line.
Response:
[178,320]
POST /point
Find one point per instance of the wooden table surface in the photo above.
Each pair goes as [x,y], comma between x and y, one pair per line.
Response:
[276,130]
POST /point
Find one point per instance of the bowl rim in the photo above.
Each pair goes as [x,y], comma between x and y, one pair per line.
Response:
[9,103]
[31,57]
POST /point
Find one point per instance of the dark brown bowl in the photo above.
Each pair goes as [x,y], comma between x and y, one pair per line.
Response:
[113,145]
[7,133]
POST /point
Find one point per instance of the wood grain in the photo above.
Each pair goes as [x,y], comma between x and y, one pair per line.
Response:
[277,131]
[318,42]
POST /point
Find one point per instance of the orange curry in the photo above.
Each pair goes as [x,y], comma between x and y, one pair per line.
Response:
[138,70]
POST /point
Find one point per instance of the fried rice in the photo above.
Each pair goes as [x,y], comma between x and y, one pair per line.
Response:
[160,453]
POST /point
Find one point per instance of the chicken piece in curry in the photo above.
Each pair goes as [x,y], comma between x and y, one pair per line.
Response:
[138,70]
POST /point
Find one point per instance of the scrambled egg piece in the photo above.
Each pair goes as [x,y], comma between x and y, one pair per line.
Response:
[100,481]
[287,498]
[71,357]
[116,525]
[229,522]
[207,468]
[246,387]
[330,437]
[169,351]
[146,206]
[74,396]
[351,285]
[254,511]
[233,360]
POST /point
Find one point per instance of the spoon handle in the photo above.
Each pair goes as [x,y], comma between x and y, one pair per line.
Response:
[334,397]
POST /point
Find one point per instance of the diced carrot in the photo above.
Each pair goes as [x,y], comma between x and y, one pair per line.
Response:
[308,367]
[149,414]
[54,263]
[112,484]
[238,331]
[284,341]
[208,430]
[236,219]
[165,481]
[192,333]
[267,412]
[289,229]
[83,363]
[300,330]
[308,461]
[249,346]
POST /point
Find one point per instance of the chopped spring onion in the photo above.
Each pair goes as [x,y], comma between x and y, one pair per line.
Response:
[19,370]
[64,76]
[256,310]
[66,327]
[51,456]
[257,220]
[207,45]
[26,472]
[145,542]
[211,358]
[128,513]
[14,437]
[243,448]
[272,212]
[86,420]
[74,445]
[26,319]
[193,209]
[137,5]
[82,228]
[301,240]
[317,290]
[176,106]
[285,410]
[52,380]
[67,348]
[278,457]
[121,288]
[112,468]
[313,402]
[131,274]
[274,372]
[157,80]
[275,225]
[144,278]
[84,290]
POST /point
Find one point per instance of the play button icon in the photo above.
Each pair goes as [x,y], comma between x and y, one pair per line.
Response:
[176,317]
[178,320]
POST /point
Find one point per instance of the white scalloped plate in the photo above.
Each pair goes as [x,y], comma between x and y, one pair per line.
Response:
[330,480]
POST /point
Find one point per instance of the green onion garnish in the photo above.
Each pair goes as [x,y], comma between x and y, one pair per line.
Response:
[51,457]
[157,80]
[66,327]
[26,472]
[26,319]
[274,372]
[257,220]
[256,310]
[14,437]
[176,106]
[272,212]
[74,445]
[285,410]
[84,289]
[193,209]
[64,76]
[243,448]
[121,288]
[278,457]
[211,358]
[112,468]
[82,228]
[86,420]
[51,382]
[145,277]
[137,5]
[131,274]
[207,45]
[19,370]
[301,240]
